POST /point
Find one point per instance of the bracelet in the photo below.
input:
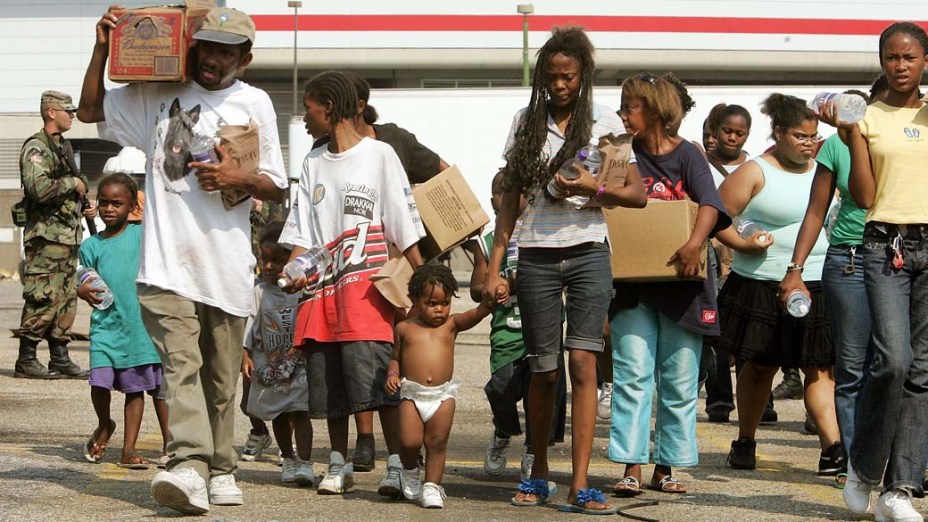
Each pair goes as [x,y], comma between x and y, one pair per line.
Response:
[599,192]
[393,374]
[794,267]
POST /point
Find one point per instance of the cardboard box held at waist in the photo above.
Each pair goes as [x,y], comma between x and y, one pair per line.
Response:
[643,239]
[152,44]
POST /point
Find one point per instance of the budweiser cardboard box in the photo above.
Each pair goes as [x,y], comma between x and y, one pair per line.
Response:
[392,280]
[644,239]
[151,44]
[449,210]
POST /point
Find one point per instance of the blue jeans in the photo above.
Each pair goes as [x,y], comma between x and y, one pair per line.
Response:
[846,297]
[893,409]
[649,348]
[544,275]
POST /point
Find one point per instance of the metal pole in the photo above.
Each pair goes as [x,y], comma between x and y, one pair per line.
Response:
[525,10]
[296,29]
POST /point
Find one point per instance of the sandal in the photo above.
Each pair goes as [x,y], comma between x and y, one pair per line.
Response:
[134,462]
[628,487]
[584,497]
[669,484]
[536,487]
[94,450]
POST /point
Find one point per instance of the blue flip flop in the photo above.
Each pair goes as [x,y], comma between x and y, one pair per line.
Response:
[537,487]
[585,496]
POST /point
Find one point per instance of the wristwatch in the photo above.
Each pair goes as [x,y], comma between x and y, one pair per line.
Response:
[792,267]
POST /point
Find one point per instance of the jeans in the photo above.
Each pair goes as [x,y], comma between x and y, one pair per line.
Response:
[544,274]
[649,349]
[846,297]
[507,387]
[893,408]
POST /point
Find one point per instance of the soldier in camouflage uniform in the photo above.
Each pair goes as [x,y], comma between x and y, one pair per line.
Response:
[53,192]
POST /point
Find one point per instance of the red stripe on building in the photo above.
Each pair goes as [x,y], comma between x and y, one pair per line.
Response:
[620,24]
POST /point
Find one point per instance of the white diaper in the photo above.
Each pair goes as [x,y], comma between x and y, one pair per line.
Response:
[428,398]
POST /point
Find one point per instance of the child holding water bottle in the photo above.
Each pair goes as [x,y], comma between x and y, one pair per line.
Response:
[122,355]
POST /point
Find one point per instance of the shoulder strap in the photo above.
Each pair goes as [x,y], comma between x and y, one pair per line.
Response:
[718,166]
[37,136]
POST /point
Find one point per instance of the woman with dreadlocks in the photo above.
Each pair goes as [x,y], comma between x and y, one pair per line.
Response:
[351,201]
[561,248]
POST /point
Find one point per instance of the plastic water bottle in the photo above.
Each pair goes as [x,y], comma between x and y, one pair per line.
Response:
[315,260]
[798,304]
[97,283]
[850,107]
[747,228]
[593,162]
[203,149]
[567,172]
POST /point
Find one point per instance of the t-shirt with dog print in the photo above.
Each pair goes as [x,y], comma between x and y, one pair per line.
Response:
[191,244]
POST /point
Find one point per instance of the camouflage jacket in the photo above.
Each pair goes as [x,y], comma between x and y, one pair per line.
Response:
[53,207]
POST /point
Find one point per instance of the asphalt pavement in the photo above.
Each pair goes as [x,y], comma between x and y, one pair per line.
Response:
[44,477]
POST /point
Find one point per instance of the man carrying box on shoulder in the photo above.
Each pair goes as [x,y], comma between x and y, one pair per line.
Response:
[196,270]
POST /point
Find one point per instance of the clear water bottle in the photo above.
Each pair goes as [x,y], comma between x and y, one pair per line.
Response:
[567,172]
[593,162]
[97,283]
[747,228]
[315,260]
[203,149]
[850,107]
[798,304]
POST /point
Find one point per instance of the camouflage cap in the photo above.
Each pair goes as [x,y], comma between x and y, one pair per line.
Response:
[58,99]
[226,26]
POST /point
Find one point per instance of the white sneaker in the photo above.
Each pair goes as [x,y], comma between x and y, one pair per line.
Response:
[896,506]
[340,477]
[856,492]
[255,445]
[528,460]
[304,475]
[411,483]
[390,484]
[604,406]
[224,492]
[181,489]
[495,461]
[433,496]
[288,470]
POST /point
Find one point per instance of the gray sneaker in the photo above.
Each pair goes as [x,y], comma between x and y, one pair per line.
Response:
[411,483]
[494,463]
[340,477]
[304,474]
[181,489]
[288,470]
[390,484]
[255,445]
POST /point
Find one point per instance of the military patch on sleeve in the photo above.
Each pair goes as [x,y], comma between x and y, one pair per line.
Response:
[36,158]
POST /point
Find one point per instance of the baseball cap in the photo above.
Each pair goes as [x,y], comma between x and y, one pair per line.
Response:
[226,26]
[62,100]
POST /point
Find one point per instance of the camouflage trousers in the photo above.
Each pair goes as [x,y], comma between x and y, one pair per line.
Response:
[49,290]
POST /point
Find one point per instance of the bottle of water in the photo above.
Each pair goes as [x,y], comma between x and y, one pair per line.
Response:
[593,162]
[567,172]
[850,107]
[315,260]
[203,149]
[798,304]
[97,283]
[747,228]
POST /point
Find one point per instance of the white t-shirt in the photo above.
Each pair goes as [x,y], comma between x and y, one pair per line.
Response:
[191,244]
[354,203]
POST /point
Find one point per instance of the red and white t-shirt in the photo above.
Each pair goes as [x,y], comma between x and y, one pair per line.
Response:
[354,203]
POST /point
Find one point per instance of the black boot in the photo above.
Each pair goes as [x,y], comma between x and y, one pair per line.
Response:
[28,366]
[62,363]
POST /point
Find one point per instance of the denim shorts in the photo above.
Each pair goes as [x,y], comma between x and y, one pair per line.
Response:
[347,377]
[583,274]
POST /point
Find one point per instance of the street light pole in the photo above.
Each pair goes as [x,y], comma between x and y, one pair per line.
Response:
[296,5]
[525,10]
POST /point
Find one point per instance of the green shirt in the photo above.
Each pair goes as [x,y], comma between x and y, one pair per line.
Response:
[506,345]
[53,208]
[849,225]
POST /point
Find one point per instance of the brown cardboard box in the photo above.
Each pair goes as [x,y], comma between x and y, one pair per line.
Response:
[392,280]
[242,143]
[644,239]
[152,44]
[449,210]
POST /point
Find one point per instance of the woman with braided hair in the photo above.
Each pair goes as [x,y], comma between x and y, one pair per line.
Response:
[561,249]
[352,201]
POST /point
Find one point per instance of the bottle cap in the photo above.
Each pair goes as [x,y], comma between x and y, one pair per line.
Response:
[282,283]
[803,309]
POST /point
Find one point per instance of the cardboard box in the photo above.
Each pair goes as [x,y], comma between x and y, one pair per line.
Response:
[152,44]
[644,239]
[449,210]
[392,280]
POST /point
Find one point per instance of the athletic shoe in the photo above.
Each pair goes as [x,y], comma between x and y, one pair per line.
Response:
[288,471]
[495,461]
[411,483]
[181,489]
[340,477]
[224,492]
[769,418]
[604,406]
[390,484]
[433,496]
[832,461]
[525,470]
[856,492]
[304,474]
[255,445]
[742,454]
[896,506]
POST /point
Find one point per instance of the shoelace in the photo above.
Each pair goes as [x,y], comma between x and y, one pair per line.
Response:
[393,473]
